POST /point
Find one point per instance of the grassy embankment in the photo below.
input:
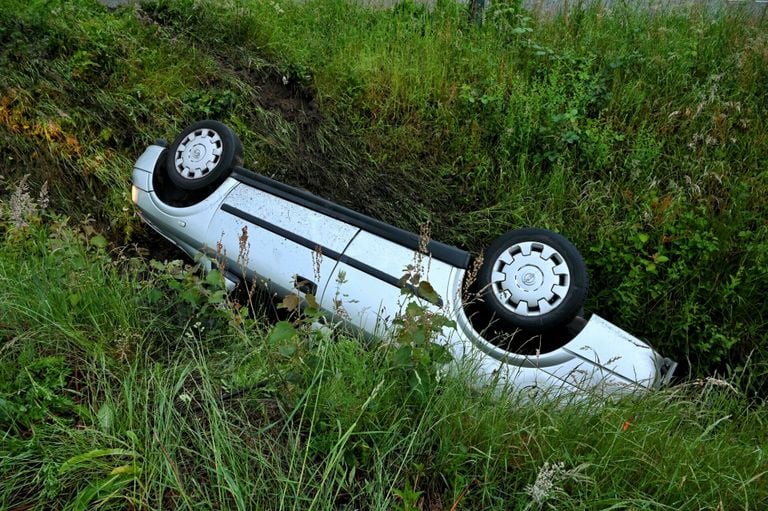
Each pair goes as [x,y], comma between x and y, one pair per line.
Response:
[126,382]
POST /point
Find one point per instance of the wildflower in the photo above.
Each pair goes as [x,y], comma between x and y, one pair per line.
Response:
[549,482]
[276,6]
[546,484]
[22,207]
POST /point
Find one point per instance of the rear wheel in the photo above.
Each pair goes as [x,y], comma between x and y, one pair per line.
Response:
[203,155]
[533,279]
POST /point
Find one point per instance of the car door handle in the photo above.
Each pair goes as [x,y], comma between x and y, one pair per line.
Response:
[305,285]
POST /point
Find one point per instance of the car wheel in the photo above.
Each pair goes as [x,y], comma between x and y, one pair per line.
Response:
[533,279]
[202,155]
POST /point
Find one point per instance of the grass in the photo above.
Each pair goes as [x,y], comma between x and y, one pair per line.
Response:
[206,414]
[127,383]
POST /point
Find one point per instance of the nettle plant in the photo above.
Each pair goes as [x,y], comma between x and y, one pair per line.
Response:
[410,348]
[416,355]
[202,298]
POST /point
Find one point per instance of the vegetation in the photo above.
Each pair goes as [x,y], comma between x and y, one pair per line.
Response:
[132,382]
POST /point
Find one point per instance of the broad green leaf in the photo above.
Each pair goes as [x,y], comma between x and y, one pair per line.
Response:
[106,415]
[427,292]
[290,302]
[413,309]
[74,299]
[217,296]
[283,331]
[312,301]
[191,296]
[125,469]
[99,241]
[154,296]
[213,277]
[287,350]
[440,354]
[418,336]
[402,356]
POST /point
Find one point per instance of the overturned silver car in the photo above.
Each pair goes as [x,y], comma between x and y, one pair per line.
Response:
[519,322]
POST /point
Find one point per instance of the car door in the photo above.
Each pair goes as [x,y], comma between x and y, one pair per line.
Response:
[366,289]
[275,241]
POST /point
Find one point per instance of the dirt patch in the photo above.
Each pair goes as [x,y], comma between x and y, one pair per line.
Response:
[276,91]
[295,102]
[323,158]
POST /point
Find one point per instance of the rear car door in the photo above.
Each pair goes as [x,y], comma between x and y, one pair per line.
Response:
[366,289]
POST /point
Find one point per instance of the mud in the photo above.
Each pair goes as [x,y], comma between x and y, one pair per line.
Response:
[295,102]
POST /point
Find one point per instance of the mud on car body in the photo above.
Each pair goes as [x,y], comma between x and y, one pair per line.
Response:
[531,284]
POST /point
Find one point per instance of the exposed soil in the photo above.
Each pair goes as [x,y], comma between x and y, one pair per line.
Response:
[294,101]
[149,243]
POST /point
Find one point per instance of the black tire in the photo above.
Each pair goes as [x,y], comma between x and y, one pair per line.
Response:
[182,165]
[503,297]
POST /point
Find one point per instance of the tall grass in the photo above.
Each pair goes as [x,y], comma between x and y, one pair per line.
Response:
[168,430]
[639,133]
[128,398]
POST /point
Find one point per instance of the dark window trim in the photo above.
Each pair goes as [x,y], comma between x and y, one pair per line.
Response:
[440,251]
[325,251]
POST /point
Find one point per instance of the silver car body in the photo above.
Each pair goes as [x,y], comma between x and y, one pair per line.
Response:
[296,242]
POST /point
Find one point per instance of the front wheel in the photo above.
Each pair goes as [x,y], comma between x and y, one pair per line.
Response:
[202,155]
[533,279]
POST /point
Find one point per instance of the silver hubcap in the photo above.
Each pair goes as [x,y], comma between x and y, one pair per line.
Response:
[198,154]
[530,278]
